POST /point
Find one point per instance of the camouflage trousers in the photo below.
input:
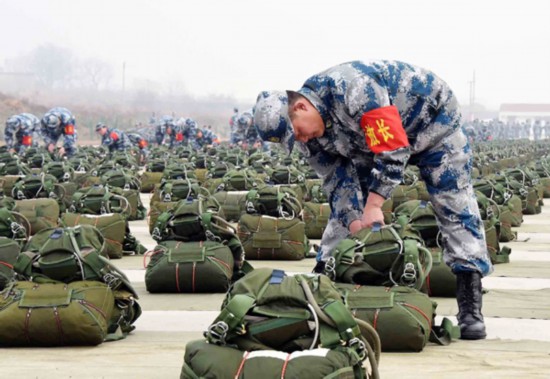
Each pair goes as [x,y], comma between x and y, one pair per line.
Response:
[446,169]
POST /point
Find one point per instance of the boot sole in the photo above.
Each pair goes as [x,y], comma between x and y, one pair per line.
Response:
[473,336]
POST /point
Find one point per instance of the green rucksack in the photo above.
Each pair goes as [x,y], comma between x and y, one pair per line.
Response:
[98,199]
[420,216]
[178,171]
[62,171]
[268,310]
[189,220]
[275,201]
[379,256]
[73,254]
[176,190]
[238,180]
[35,186]
[121,178]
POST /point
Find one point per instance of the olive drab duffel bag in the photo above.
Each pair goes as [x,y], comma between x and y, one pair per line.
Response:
[403,317]
[190,267]
[231,363]
[269,310]
[379,256]
[266,237]
[9,251]
[273,201]
[55,314]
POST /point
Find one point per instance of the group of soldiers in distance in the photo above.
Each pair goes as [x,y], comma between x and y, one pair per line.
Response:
[478,130]
[25,130]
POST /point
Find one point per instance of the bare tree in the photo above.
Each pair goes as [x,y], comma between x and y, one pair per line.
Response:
[52,65]
[94,73]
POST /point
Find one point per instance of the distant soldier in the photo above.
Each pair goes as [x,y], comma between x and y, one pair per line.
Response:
[112,138]
[59,122]
[245,121]
[141,143]
[206,137]
[160,132]
[537,130]
[18,134]
[35,127]
[190,131]
[233,125]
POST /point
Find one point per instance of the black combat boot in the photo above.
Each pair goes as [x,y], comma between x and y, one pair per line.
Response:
[468,297]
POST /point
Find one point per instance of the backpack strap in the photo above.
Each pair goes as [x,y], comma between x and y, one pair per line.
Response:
[229,319]
[443,334]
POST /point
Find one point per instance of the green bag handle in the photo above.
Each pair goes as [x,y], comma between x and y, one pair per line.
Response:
[503,256]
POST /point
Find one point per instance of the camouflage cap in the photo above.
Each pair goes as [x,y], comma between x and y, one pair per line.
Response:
[272,120]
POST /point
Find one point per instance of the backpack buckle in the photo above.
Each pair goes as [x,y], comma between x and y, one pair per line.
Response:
[409,274]
[217,333]
[359,346]
[330,268]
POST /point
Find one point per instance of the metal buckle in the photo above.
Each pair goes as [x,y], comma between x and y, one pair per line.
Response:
[361,348]
[111,280]
[409,274]
[330,268]
[217,332]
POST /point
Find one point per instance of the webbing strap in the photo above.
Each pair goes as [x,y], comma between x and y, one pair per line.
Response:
[345,324]
[232,316]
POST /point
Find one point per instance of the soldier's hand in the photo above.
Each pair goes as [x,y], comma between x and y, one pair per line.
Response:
[355,226]
[61,151]
[51,148]
[372,214]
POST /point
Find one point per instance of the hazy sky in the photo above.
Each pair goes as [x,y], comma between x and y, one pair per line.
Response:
[240,47]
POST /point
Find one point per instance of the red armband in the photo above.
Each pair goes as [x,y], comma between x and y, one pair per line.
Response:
[69,129]
[142,144]
[27,140]
[179,136]
[384,130]
[114,136]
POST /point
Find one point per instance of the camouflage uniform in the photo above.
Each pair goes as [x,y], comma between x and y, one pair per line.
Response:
[244,123]
[353,100]
[19,133]
[207,137]
[233,125]
[160,131]
[140,142]
[59,122]
[190,131]
[115,140]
